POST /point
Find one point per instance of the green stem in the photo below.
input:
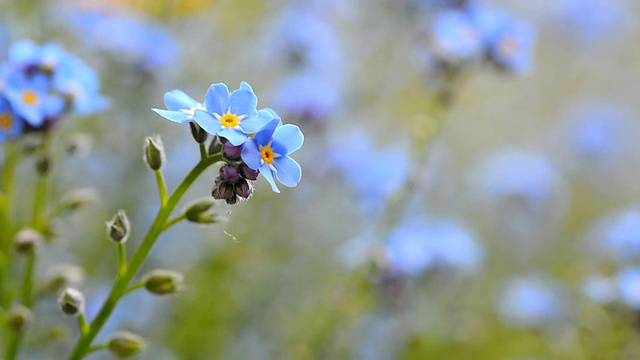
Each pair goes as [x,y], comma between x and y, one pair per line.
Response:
[134,287]
[6,219]
[121,284]
[174,221]
[162,187]
[82,324]
[122,258]
[97,347]
[15,339]
[203,152]
[39,203]
[27,285]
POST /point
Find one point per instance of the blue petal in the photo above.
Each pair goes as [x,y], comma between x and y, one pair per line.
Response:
[287,139]
[245,86]
[268,174]
[288,171]
[243,102]
[217,99]
[207,122]
[251,154]
[236,137]
[175,116]
[264,135]
[253,124]
[53,105]
[177,100]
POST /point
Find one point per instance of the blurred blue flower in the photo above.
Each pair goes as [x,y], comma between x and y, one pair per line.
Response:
[31,97]
[591,20]
[629,287]
[10,124]
[231,116]
[532,302]
[619,234]
[307,96]
[599,289]
[419,245]
[454,37]
[181,107]
[269,152]
[80,84]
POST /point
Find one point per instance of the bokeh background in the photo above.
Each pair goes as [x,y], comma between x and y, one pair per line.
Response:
[504,225]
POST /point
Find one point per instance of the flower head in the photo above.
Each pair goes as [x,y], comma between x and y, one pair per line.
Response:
[180,107]
[31,97]
[10,124]
[269,152]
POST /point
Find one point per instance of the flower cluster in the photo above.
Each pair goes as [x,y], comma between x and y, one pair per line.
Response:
[40,84]
[253,141]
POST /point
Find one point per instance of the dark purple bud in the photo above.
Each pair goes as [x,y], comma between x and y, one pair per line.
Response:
[198,133]
[244,189]
[223,191]
[248,173]
[231,152]
[229,174]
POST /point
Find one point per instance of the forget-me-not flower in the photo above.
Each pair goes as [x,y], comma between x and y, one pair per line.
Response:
[454,37]
[181,108]
[269,153]
[10,124]
[31,98]
[629,287]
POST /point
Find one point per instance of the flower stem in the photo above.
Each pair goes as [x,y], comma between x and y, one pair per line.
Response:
[120,286]
[203,152]
[122,258]
[6,219]
[82,324]
[162,187]
[174,221]
[134,287]
[27,285]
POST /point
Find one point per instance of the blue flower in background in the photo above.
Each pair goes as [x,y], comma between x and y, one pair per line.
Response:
[181,107]
[619,234]
[231,116]
[599,289]
[308,96]
[419,245]
[629,287]
[532,302]
[454,37]
[269,153]
[31,98]
[591,20]
[81,85]
[10,124]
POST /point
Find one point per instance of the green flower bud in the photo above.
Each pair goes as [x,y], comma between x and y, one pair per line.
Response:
[199,134]
[215,147]
[71,302]
[119,228]
[163,282]
[26,241]
[75,199]
[154,152]
[62,275]
[43,164]
[19,318]
[125,344]
[201,211]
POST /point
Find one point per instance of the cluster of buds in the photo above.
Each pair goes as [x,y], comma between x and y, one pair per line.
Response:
[235,179]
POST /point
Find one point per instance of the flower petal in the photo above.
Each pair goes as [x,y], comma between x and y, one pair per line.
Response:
[243,102]
[287,139]
[268,174]
[176,100]
[251,154]
[207,122]
[175,116]
[217,99]
[245,86]
[288,171]
[264,135]
[253,124]
[236,137]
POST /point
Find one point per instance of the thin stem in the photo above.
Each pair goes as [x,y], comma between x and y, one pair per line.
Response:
[97,347]
[203,152]
[120,286]
[39,203]
[15,339]
[134,287]
[162,187]
[27,284]
[174,221]
[82,324]
[6,219]
[122,258]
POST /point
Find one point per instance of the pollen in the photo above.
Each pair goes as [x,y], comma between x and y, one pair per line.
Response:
[229,120]
[6,120]
[30,97]
[267,154]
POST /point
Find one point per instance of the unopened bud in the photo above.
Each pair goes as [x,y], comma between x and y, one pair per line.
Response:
[80,145]
[71,302]
[119,227]
[63,275]
[75,199]
[200,211]
[243,189]
[229,174]
[224,191]
[19,318]
[26,241]
[163,282]
[198,133]
[125,344]
[154,152]
[43,164]
[247,172]
[215,147]
[232,152]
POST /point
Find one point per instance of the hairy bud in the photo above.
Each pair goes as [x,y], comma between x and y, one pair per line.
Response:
[19,318]
[201,211]
[75,199]
[163,282]
[119,228]
[26,241]
[71,302]
[125,344]
[198,133]
[154,154]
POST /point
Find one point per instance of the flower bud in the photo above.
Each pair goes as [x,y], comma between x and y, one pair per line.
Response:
[71,302]
[75,199]
[224,191]
[229,174]
[119,227]
[80,145]
[200,211]
[198,133]
[125,344]
[232,152]
[163,282]
[26,241]
[243,189]
[19,318]
[215,147]
[43,164]
[154,152]
[247,172]
[62,275]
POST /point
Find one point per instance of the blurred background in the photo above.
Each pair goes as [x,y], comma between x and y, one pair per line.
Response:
[470,190]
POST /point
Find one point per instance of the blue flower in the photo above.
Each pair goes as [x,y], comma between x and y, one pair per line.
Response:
[454,37]
[181,107]
[269,152]
[231,116]
[629,287]
[10,124]
[308,96]
[80,84]
[619,234]
[31,98]
[591,20]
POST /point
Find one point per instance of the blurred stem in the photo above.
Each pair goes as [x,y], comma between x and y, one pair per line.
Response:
[6,219]
[27,285]
[97,347]
[82,324]
[15,339]
[122,258]
[134,287]
[174,221]
[120,286]
[162,187]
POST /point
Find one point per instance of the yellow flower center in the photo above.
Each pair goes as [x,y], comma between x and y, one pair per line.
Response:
[6,120]
[267,154]
[229,120]
[30,97]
